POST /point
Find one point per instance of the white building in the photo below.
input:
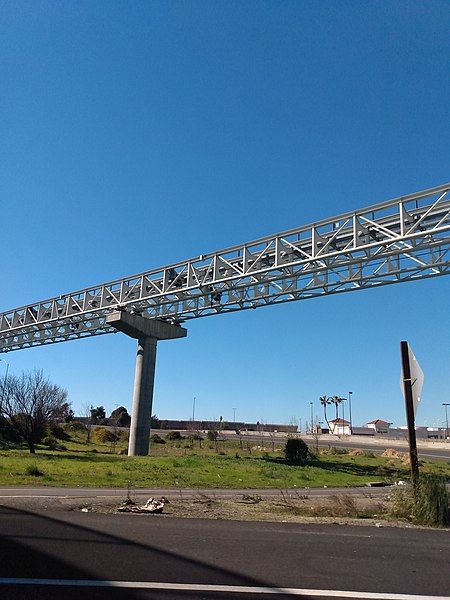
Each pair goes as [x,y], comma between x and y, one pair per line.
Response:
[340,427]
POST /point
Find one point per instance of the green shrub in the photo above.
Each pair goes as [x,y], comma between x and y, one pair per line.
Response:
[58,432]
[105,436]
[212,435]
[33,471]
[76,426]
[51,442]
[296,451]
[157,439]
[7,432]
[174,436]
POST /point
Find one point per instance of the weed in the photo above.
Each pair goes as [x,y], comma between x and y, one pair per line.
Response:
[428,504]
[343,505]
[335,450]
[368,454]
[34,471]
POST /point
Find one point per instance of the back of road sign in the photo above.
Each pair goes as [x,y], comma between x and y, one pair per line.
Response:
[417,379]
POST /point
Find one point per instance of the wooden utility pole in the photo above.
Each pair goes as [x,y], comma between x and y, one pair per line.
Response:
[407,387]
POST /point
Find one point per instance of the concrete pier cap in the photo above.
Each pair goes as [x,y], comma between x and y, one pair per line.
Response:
[137,326]
[148,332]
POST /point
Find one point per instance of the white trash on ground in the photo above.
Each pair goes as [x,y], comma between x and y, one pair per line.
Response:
[151,506]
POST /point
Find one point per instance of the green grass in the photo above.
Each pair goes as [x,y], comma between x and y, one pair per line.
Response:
[179,465]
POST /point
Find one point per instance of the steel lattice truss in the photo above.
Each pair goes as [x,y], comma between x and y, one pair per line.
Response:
[404,239]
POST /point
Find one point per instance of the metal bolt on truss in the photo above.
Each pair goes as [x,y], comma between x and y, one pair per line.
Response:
[403,239]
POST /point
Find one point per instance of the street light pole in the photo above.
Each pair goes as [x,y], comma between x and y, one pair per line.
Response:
[350,409]
[6,377]
[7,367]
[193,410]
[445,404]
[312,417]
[234,415]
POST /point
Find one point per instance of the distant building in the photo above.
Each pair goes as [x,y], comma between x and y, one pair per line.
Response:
[379,426]
[362,431]
[340,427]
[225,425]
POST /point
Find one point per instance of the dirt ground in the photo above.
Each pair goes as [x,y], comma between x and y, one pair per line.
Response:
[339,508]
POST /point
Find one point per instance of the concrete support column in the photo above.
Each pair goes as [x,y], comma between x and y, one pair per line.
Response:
[141,411]
[148,332]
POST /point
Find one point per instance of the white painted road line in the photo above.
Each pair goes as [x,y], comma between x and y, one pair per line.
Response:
[231,589]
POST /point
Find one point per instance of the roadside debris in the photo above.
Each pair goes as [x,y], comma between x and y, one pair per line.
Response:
[151,506]
[251,499]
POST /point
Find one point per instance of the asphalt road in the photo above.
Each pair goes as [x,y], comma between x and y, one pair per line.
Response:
[438,453]
[46,555]
[441,452]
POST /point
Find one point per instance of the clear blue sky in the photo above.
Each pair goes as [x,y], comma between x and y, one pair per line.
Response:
[134,134]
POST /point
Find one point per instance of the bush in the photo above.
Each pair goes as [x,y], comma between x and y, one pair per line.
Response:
[174,436]
[157,439]
[33,471]
[76,426]
[8,433]
[51,442]
[105,436]
[427,505]
[59,432]
[212,435]
[296,451]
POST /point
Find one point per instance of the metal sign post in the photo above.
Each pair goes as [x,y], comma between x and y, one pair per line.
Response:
[412,380]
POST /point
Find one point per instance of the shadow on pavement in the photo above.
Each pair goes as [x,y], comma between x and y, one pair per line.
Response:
[33,545]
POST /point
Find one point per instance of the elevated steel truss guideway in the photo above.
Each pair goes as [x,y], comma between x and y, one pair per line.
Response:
[403,239]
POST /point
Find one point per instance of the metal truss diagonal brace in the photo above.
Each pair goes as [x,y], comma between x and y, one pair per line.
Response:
[147,332]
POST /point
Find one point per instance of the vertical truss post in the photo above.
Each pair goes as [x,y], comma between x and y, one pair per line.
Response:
[148,332]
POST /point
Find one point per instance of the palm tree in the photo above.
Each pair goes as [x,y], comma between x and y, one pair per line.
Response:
[324,401]
[336,401]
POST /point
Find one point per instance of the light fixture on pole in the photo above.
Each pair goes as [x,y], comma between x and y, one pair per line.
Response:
[445,404]
[350,410]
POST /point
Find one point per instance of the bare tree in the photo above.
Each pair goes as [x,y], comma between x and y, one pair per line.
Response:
[31,404]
